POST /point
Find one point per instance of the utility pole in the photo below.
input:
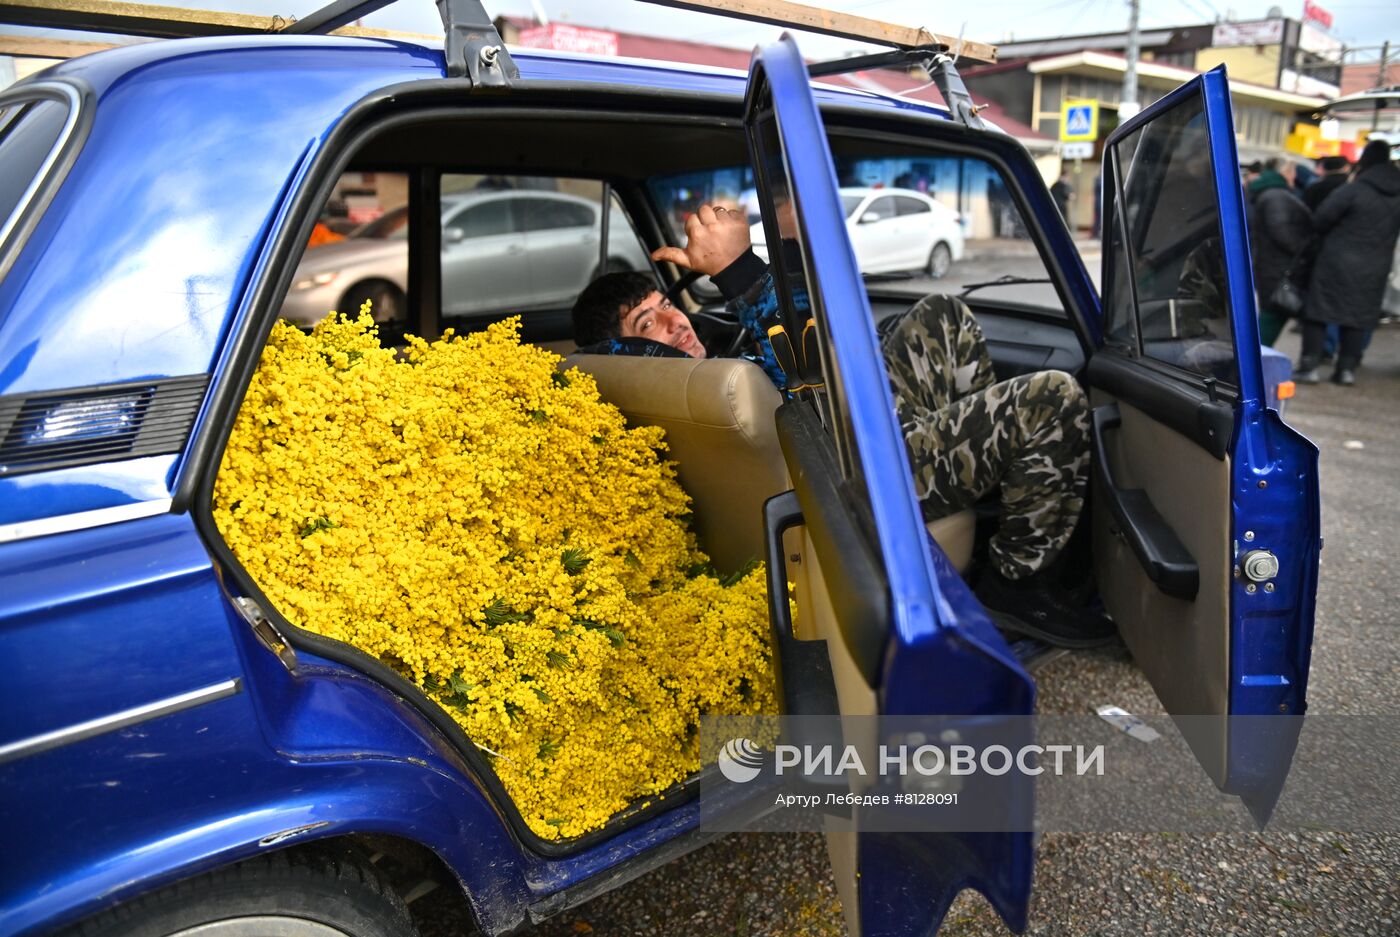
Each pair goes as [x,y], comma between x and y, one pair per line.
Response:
[1128,105]
[1380,80]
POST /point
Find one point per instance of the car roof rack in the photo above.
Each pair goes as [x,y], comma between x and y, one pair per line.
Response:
[939,63]
[155,21]
[841,25]
[914,46]
[473,47]
[475,51]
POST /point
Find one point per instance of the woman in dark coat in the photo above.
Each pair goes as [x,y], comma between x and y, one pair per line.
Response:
[1280,230]
[1358,224]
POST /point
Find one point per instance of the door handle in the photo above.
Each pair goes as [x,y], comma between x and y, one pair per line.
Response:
[1163,556]
[809,689]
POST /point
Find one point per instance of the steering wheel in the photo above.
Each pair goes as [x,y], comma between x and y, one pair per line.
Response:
[683,283]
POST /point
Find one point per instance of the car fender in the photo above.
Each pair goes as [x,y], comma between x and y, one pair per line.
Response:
[284,803]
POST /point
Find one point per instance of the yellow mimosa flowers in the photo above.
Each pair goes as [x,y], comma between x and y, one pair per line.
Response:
[486,526]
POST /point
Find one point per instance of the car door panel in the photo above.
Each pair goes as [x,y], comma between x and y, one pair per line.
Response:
[931,651]
[1194,476]
[1178,642]
[486,270]
[880,247]
[562,254]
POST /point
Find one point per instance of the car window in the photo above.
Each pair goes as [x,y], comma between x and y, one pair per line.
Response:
[981,240]
[391,224]
[1174,264]
[485,278]
[28,134]
[485,220]
[881,209]
[359,251]
[910,206]
[1120,316]
[543,214]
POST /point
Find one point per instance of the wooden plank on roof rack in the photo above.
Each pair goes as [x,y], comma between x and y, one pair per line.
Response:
[38,48]
[164,22]
[832,23]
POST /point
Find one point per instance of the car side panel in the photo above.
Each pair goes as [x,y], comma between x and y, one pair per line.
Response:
[96,624]
[126,281]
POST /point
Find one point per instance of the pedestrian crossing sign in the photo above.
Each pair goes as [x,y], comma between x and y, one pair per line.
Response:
[1079,121]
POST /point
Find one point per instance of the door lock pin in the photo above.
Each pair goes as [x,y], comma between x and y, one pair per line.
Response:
[1259,565]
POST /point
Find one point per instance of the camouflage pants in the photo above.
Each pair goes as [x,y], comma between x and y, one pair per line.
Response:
[967,434]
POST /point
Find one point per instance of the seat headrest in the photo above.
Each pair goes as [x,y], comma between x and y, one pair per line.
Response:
[716,392]
[718,418]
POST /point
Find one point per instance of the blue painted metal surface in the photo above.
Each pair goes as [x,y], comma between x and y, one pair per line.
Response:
[211,139]
[943,656]
[96,622]
[1274,497]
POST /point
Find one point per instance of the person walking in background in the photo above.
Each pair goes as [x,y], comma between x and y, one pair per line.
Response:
[1334,176]
[1336,172]
[1063,193]
[1280,236]
[1249,172]
[1358,224]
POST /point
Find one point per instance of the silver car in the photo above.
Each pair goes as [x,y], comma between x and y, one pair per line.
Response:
[502,251]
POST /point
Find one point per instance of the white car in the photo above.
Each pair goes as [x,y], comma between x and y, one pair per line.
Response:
[895,229]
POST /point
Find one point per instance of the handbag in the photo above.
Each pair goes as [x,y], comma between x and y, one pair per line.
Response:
[1286,297]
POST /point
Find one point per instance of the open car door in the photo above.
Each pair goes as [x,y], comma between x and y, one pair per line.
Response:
[904,634]
[1205,504]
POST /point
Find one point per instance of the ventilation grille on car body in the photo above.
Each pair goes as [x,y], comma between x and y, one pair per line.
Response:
[85,425]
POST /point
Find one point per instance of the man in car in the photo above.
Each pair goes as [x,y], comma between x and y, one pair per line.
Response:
[966,433]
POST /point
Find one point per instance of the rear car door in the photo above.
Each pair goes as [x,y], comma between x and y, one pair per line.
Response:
[905,636]
[561,238]
[1205,503]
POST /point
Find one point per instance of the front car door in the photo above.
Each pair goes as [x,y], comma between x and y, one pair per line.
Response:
[905,636]
[876,236]
[1205,503]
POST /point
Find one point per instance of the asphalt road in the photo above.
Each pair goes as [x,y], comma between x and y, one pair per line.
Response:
[1274,883]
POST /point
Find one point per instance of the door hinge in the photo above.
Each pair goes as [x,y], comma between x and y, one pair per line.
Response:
[266,632]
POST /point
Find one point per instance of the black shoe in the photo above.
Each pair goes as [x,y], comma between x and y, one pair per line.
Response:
[1037,608]
[1306,372]
[1344,376]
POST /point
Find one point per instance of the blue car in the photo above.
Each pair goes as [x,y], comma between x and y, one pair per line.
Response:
[174,754]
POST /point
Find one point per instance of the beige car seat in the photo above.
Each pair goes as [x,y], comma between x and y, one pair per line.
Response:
[718,418]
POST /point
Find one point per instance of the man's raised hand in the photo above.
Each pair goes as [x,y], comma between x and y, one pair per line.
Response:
[715,238]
